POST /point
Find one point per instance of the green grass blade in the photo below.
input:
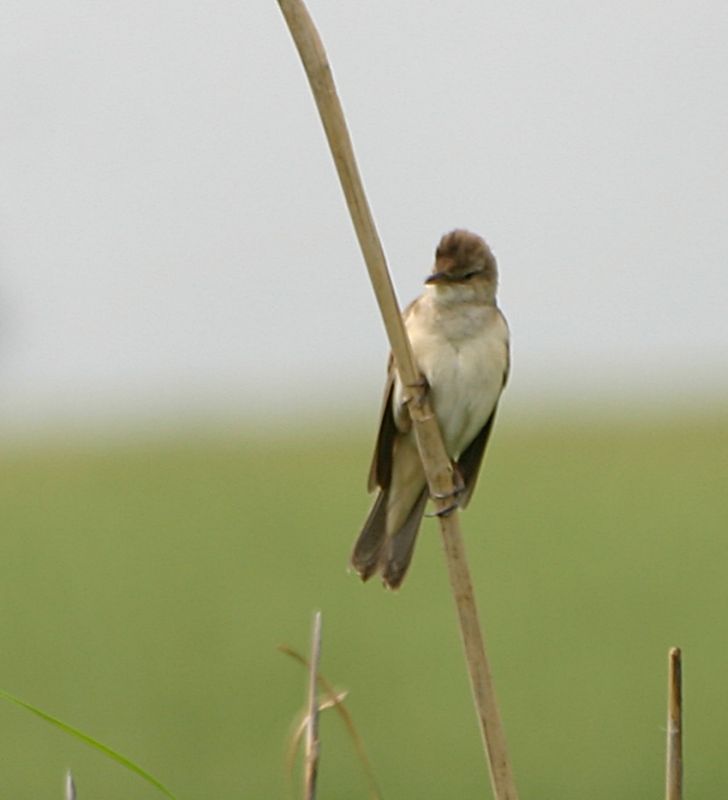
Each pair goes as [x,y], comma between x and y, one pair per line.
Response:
[102,748]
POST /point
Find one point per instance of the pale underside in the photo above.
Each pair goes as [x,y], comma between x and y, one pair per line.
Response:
[463,356]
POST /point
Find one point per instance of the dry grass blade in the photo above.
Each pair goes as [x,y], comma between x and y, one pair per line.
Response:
[335,700]
[313,746]
[435,460]
[674,772]
[299,729]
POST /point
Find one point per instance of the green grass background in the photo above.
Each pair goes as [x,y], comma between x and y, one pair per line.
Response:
[144,588]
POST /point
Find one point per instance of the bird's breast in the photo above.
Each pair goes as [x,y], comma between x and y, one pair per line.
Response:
[463,356]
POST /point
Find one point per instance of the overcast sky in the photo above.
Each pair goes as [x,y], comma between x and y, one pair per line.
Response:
[173,235]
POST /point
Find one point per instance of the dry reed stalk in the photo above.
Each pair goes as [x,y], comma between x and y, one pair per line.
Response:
[69,787]
[674,771]
[336,701]
[310,772]
[436,463]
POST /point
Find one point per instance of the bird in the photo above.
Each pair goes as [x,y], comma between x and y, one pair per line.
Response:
[460,343]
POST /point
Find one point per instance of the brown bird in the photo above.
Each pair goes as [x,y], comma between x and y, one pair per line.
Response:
[460,343]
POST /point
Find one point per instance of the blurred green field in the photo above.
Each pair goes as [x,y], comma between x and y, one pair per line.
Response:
[144,588]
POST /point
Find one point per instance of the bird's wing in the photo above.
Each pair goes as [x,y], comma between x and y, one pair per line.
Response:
[380,473]
[472,457]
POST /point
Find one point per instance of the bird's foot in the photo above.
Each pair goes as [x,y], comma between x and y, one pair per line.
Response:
[458,485]
[417,391]
[458,489]
[444,512]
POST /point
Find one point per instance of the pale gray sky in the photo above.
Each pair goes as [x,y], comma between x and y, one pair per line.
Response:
[173,235]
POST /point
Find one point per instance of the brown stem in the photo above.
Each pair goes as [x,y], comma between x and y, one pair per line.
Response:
[310,772]
[673,778]
[436,463]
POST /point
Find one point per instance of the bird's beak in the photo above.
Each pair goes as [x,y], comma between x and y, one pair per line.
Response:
[438,277]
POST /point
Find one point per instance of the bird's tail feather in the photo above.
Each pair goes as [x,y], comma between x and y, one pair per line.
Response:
[401,545]
[369,546]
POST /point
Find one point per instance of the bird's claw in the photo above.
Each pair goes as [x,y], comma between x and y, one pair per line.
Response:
[458,485]
[444,512]
[417,390]
[458,489]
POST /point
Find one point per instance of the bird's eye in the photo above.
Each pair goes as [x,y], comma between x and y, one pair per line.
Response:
[469,275]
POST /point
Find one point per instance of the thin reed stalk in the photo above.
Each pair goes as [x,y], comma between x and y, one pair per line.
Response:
[313,747]
[674,769]
[436,463]
[69,787]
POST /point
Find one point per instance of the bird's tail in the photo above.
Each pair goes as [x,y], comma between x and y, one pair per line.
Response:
[368,549]
[401,545]
[375,550]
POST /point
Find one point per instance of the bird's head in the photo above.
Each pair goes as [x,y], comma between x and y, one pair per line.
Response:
[464,268]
